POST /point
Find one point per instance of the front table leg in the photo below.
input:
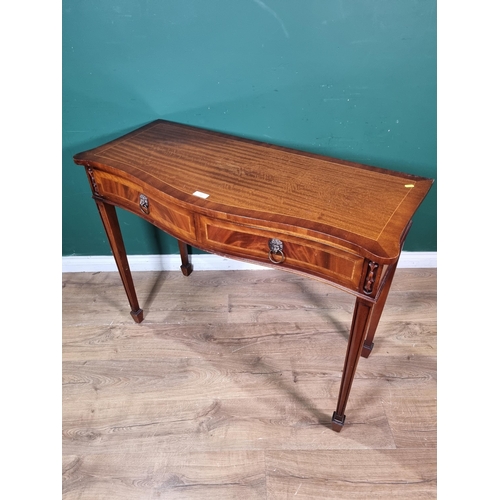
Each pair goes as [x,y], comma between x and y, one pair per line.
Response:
[114,234]
[359,328]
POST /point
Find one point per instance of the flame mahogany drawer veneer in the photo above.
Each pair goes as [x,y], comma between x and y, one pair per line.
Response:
[330,219]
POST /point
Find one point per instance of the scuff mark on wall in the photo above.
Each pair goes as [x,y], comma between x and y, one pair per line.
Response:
[271,11]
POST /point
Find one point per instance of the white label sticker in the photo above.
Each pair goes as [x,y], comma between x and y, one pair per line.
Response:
[201,195]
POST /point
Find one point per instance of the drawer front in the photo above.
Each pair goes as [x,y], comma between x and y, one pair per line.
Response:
[130,196]
[311,257]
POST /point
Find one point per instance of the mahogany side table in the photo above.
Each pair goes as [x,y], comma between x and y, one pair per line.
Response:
[326,218]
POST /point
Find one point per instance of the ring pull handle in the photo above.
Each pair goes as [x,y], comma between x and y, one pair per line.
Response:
[144,203]
[276,249]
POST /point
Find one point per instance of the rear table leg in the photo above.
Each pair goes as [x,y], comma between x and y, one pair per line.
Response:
[377,311]
[186,267]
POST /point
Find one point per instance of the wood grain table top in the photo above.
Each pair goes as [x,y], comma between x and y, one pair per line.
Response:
[218,173]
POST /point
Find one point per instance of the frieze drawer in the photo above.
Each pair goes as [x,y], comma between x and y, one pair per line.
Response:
[281,250]
[145,202]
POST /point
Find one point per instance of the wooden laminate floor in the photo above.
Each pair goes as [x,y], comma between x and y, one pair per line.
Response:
[227,389]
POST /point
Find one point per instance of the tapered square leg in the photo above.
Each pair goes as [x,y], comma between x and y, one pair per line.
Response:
[113,232]
[337,422]
[367,349]
[360,322]
[137,316]
[377,311]
[186,266]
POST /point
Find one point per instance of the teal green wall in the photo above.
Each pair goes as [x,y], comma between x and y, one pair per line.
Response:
[352,79]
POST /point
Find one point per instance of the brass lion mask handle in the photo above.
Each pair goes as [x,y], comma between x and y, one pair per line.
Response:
[276,249]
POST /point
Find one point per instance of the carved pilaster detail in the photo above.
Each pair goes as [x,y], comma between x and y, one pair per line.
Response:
[371,276]
[144,203]
[90,173]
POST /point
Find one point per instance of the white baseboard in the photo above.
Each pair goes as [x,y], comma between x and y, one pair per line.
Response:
[204,262]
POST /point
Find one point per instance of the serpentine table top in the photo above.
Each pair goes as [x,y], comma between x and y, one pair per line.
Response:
[330,219]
